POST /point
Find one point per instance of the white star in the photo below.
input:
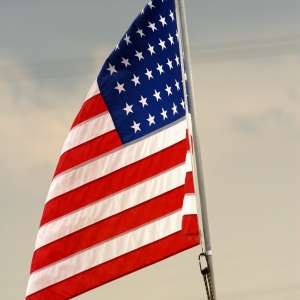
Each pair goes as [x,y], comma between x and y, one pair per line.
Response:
[151,49]
[170,38]
[152,26]
[149,74]
[150,4]
[139,55]
[177,85]
[117,47]
[135,79]
[177,35]
[162,44]
[171,15]
[182,104]
[164,114]
[177,60]
[127,39]
[111,69]
[169,63]
[136,126]
[140,32]
[142,12]
[125,62]
[174,108]
[157,95]
[143,101]
[120,87]
[151,120]
[128,109]
[162,20]
[160,68]
[168,90]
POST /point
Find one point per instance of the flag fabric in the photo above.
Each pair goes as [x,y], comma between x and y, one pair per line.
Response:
[122,196]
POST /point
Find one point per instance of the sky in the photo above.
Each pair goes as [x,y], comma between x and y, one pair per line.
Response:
[246,71]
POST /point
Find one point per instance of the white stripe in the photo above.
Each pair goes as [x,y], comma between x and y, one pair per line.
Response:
[88,130]
[116,160]
[189,206]
[188,162]
[112,205]
[104,252]
[94,90]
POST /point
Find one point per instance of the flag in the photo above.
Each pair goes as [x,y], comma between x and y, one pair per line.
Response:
[122,195]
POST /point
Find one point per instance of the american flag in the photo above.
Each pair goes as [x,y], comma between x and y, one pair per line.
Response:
[122,195]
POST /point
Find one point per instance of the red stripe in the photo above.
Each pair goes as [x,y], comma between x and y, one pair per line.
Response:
[121,179]
[87,151]
[108,228]
[115,268]
[189,183]
[190,228]
[90,108]
[187,140]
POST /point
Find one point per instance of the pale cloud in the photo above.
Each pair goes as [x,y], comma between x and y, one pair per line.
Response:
[293,94]
[248,95]
[35,118]
[33,133]
[274,121]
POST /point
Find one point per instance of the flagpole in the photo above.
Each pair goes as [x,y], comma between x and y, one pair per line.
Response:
[198,162]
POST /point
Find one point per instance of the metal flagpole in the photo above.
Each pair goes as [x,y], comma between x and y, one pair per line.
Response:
[198,162]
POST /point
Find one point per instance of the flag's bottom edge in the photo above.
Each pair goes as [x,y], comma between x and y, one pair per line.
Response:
[115,268]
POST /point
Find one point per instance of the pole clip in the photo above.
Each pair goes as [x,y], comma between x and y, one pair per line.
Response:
[203,263]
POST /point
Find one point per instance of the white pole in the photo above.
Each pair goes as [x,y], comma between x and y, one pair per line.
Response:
[198,162]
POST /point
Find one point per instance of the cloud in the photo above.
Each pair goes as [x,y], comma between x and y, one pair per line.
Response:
[250,96]
[273,121]
[34,121]
[35,118]
[293,94]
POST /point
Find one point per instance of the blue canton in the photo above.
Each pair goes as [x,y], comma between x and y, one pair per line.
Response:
[141,81]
